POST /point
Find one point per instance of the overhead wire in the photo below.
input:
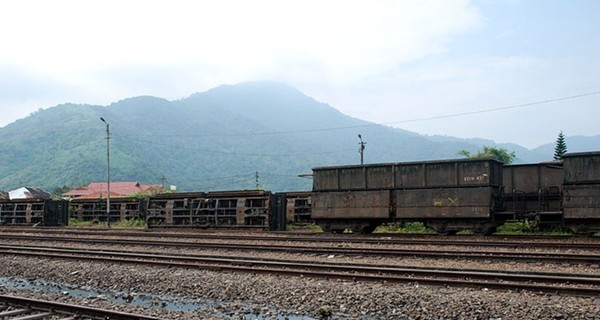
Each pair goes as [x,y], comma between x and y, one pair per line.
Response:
[459,114]
[516,106]
[289,154]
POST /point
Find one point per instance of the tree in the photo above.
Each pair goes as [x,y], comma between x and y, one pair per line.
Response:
[561,147]
[499,154]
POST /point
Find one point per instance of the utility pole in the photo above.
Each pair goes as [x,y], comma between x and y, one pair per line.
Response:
[361,149]
[256,179]
[107,172]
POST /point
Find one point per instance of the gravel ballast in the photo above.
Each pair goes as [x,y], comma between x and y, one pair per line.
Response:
[224,295]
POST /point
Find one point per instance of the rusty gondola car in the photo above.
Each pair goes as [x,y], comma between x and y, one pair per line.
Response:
[533,191]
[448,195]
[581,192]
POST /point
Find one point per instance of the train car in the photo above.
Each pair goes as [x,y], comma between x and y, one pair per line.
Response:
[448,195]
[85,209]
[356,197]
[581,192]
[174,209]
[533,191]
[45,212]
[298,207]
[240,208]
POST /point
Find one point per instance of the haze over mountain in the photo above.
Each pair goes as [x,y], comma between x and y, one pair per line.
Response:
[232,137]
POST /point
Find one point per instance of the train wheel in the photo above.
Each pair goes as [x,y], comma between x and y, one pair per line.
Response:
[579,228]
[439,227]
[368,228]
[484,229]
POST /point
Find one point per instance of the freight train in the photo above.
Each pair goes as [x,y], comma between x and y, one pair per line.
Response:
[465,194]
[221,209]
[447,195]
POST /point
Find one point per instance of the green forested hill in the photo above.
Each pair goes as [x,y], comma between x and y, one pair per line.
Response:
[215,140]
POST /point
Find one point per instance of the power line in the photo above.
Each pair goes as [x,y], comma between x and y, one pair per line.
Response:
[516,106]
[230,153]
[460,114]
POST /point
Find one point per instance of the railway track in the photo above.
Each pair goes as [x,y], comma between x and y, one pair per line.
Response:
[581,284]
[375,239]
[20,308]
[348,251]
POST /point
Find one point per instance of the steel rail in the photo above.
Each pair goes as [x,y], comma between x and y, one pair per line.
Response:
[26,308]
[501,280]
[389,252]
[379,239]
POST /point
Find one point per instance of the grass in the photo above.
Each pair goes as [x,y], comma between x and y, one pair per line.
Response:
[527,227]
[311,227]
[406,228]
[131,223]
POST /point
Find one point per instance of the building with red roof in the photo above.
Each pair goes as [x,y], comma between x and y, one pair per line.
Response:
[96,190]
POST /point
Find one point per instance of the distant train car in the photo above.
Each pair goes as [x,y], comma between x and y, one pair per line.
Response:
[173,209]
[449,195]
[43,212]
[298,207]
[581,192]
[247,208]
[85,209]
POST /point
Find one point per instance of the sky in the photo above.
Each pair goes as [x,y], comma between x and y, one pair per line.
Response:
[506,70]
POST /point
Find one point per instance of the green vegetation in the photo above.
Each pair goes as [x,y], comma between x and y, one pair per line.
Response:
[79,223]
[311,227]
[499,154]
[405,228]
[131,223]
[325,312]
[561,147]
[527,227]
[465,233]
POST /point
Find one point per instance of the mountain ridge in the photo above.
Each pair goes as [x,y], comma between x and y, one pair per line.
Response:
[220,139]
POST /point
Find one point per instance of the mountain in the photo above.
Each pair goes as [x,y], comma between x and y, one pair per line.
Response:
[574,144]
[231,137]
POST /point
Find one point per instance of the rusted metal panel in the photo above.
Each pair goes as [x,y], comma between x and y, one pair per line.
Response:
[351,205]
[410,175]
[531,178]
[380,177]
[240,215]
[479,173]
[441,174]
[444,203]
[449,173]
[289,212]
[521,178]
[551,176]
[581,201]
[169,212]
[325,179]
[352,178]
[581,168]
[426,174]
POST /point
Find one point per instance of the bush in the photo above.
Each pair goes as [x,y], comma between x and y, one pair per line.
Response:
[414,227]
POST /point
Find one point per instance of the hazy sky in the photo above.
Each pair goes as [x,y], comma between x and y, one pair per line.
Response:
[391,62]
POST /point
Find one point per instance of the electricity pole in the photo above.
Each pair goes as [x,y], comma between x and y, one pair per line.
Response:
[361,149]
[107,172]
